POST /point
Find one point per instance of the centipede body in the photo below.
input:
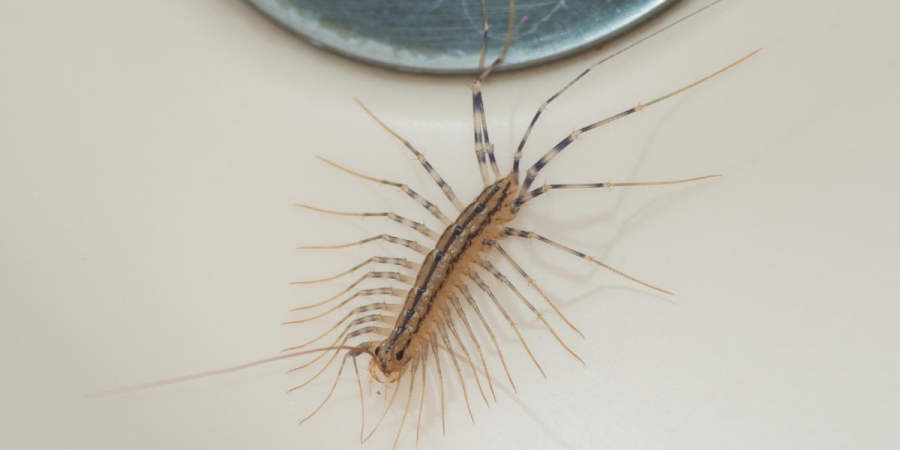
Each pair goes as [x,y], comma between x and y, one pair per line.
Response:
[399,336]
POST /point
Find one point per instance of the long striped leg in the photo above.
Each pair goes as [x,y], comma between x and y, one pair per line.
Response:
[364,319]
[471,301]
[483,144]
[533,171]
[533,235]
[531,283]
[350,354]
[402,262]
[484,287]
[509,31]
[388,408]
[437,363]
[443,333]
[431,207]
[609,184]
[363,293]
[543,107]
[422,399]
[477,114]
[462,315]
[377,306]
[382,237]
[405,279]
[420,227]
[503,279]
[449,319]
[412,382]
[448,191]
[382,331]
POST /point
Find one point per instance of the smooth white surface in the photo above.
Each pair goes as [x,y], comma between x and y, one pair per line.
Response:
[150,154]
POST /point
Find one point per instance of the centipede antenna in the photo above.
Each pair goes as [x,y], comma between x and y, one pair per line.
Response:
[333,385]
[322,354]
[320,372]
[362,331]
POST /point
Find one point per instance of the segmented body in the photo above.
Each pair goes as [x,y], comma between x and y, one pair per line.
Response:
[425,322]
[442,272]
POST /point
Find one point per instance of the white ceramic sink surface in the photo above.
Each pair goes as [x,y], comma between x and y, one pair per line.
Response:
[151,152]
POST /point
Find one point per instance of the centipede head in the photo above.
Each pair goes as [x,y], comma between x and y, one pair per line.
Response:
[391,356]
[381,376]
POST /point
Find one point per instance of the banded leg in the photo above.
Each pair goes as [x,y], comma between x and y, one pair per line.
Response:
[402,262]
[445,188]
[452,327]
[359,310]
[533,235]
[479,140]
[462,315]
[405,279]
[382,237]
[362,293]
[471,301]
[533,171]
[609,184]
[350,354]
[420,227]
[476,113]
[431,207]
[503,279]
[443,333]
[483,144]
[382,331]
[365,319]
[482,76]
[412,381]
[531,283]
[543,107]
[487,290]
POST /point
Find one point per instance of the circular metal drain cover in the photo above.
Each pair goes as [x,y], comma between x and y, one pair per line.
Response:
[444,36]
